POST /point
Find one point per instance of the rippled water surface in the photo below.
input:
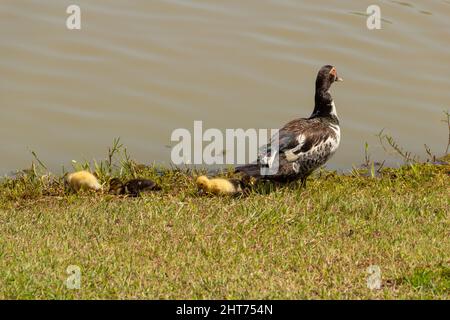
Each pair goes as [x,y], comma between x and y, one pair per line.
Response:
[140,69]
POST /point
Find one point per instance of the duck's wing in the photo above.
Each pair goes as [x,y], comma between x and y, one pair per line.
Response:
[296,137]
[302,135]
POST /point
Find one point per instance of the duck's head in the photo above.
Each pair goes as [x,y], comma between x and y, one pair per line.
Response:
[326,77]
[202,183]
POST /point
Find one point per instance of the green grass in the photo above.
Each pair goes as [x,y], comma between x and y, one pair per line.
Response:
[290,243]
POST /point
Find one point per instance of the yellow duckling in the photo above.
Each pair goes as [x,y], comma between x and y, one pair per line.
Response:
[83,180]
[219,186]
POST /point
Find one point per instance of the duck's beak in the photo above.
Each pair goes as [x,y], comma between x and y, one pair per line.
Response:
[339,79]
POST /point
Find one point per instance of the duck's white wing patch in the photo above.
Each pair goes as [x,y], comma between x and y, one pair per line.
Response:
[293,154]
[290,154]
[268,160]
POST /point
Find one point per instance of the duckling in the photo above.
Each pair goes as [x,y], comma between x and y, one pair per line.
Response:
[132,187]
[219,186]
[82,180]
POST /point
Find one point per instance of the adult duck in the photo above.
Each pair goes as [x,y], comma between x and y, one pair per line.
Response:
[305,144]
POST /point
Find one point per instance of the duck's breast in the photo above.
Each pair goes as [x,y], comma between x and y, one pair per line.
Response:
[336,138]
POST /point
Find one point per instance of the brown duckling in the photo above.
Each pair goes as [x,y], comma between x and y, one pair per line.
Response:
[132,187]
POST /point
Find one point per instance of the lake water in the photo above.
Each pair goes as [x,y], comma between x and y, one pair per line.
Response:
[140,69]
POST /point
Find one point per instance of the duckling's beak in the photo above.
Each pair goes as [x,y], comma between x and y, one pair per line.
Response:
[339,79]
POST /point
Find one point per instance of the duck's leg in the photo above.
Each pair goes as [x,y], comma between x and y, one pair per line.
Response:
[303,182]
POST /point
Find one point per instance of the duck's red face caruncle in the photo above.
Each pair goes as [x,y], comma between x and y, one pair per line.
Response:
[334,76]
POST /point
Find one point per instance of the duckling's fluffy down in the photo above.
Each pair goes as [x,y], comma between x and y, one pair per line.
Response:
[218,186]
[83,180]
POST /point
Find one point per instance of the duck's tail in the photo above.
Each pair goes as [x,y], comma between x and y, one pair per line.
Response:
[256,172]
[252,170]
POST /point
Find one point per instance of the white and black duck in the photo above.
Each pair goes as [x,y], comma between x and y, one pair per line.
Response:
[303,144]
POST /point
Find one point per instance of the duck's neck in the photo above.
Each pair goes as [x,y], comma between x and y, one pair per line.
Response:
[324,105]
